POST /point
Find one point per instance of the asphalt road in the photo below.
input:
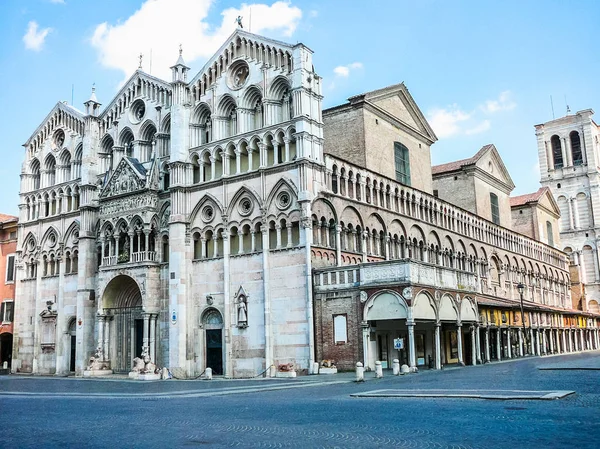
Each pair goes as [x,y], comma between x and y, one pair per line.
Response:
[312,411]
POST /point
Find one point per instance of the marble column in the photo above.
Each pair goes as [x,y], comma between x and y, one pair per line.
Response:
[412,354]
[508,344]
[473,346]
[487,345]
[499,344]
[521,348]
[438,349]
[153,337]
[459,343]
[365,335]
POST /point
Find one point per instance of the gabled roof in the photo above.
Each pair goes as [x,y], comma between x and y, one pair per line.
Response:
[137,75]
[239,33]
[528,197]
[475,163]
[4,218]
[369,100]
[60,111]
[457,165]
[535,198]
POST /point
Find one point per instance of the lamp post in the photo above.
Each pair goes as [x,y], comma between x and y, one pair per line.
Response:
[521,289]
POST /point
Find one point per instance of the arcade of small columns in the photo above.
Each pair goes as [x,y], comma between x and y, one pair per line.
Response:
[271,151]
[437,348]
[141,249]
[540,341]
[149,334]
[51,203]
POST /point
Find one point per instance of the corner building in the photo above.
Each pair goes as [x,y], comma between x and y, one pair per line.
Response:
[208,221]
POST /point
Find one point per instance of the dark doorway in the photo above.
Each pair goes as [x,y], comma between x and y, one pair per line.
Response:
[214,350]
[73,348]
[139,338]
[6,341]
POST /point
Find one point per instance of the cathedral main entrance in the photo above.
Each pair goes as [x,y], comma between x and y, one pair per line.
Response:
[122,303]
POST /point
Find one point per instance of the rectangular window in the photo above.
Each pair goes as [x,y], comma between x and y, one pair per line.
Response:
[13,235]
[495,208]
[340,330]
[402,163]
[550,233]
[6,311]
[10,268]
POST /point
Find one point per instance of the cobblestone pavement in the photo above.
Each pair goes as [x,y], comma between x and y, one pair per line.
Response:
[315,411]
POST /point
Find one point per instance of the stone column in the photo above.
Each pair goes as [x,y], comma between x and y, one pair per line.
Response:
[564,341]
[106,345]
[499,344]
[521,348]
[459,342]
[551,336]
[412,354]
[365,335]
[581,339]
[267,300]
[473,347]
[478,343]
[101,320]
[145,341]
[338,244]
[537,343]
[438,349]
[487,345]
[153,337]
[508,344]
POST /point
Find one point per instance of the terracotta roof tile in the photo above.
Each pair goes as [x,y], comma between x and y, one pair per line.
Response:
[457,165]
[521,200]
[4,218]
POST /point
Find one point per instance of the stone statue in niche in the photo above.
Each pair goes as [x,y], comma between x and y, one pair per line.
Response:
[242,311]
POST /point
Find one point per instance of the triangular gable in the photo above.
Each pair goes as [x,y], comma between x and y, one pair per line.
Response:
[488,159]
[61,116]
[396,104]
[231,42]
[123,98]
[548,202]
[128,177]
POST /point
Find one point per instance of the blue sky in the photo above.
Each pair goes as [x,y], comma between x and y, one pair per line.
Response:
[481,71]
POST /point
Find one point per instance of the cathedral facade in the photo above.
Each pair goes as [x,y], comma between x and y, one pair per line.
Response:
[225,220]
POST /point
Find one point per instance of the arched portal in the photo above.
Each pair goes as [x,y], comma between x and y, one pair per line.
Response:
[122,326]
[72,344]
[213,328]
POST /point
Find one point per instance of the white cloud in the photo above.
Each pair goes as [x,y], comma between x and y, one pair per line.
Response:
[344,70]
[119,45]
[34,39]
[446,122]
[480,128]
[503,103]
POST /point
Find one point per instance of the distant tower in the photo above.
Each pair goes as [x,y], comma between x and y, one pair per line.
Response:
[568,151]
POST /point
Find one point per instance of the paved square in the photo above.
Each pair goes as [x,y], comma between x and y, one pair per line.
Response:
[316,411]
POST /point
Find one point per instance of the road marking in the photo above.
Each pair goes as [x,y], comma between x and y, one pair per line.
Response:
[466,394]
[167,395]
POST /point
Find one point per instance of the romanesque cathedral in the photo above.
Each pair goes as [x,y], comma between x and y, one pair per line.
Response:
[223,219]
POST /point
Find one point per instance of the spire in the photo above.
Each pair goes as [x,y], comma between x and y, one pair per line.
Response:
[180,70]
[92,106]
[180,59]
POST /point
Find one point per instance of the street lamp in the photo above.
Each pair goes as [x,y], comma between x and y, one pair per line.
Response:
[521,289]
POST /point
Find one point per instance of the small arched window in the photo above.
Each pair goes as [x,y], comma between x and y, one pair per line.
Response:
[556,152]
[576,148]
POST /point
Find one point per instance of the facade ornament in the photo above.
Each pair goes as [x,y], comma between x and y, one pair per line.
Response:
[407,293]
[363,297]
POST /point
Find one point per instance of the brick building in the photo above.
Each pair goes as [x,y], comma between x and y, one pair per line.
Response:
[8,248]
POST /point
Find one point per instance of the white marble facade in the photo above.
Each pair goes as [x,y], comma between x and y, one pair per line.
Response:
[175,219]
